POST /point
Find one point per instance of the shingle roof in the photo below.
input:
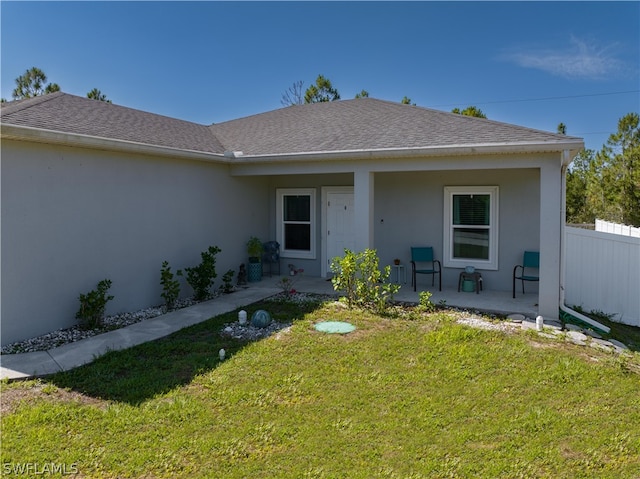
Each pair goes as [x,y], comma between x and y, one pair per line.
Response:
[73,114]
[348,125]
[366,124]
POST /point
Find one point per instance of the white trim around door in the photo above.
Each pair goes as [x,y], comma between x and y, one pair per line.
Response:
[335,197]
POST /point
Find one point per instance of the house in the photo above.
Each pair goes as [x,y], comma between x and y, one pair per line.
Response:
[92,190]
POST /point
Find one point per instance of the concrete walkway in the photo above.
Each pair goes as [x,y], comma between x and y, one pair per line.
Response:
[72,355]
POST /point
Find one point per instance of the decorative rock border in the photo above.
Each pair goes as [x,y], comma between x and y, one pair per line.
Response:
[552,330]
[572,333]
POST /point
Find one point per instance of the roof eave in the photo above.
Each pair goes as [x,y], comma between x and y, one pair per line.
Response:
[40,135]
[573,146]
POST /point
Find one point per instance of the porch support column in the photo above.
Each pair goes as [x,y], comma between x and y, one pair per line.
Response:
[363,188]
[551,222]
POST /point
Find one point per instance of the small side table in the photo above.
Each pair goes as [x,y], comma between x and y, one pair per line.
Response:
[398,268]
[476,277]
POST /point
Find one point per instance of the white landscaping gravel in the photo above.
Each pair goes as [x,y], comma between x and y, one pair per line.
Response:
[483,324]
[76,333]
[116,321]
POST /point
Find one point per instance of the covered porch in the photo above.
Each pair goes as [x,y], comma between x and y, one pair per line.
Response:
[499,302]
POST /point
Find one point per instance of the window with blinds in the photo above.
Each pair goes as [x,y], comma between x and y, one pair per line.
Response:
[470,230]
[471,226]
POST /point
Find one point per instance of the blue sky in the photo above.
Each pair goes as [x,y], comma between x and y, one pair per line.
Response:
[529,63]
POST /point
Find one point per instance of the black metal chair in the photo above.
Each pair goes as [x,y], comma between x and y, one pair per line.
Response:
[530,261]
[271,255]
[425,255]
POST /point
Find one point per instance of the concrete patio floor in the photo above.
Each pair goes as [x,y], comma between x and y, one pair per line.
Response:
[500,302]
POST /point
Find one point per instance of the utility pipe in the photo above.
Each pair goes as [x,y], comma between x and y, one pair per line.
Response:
[566,159]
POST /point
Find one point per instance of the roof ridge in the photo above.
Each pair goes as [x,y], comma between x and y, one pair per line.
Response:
[25,103]
[466,117]
[137,110]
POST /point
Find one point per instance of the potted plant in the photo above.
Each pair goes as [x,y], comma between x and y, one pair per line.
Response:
[255,249]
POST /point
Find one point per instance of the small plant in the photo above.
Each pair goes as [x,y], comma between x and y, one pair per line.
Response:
[287,283]
[93,304]
[170,285]
[201,277]
[255,249]
[365,285]
[425,302]
[227,281]
[344,271]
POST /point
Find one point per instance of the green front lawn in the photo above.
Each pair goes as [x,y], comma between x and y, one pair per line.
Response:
[405,397]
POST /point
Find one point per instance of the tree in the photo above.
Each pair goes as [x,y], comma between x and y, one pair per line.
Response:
[562,129]
[321,91]
[578,178]
[96,94]
[618,166]
[407,101]
[293,95]
[362,94]
[32,83]
[606,184]
[470,111]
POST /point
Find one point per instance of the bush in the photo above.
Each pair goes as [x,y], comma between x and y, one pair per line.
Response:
[170,285]
[201,277]
[255,249]
[227,281]
[365,285]
[93,304]
[425,302]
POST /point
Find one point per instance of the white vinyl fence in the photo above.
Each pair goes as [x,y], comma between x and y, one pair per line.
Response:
[603,273]
[607,227]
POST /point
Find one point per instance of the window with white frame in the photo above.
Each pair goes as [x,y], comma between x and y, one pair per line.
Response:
[471,227]
[296,222]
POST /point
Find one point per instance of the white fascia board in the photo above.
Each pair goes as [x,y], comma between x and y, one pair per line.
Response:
[448,150]
[40,135]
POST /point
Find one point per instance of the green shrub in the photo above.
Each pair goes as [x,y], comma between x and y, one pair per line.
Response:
[425,302]
[92,305]
[227,281]
[360,277]
[170,285]
[201,277]
[344,271]
[255,249]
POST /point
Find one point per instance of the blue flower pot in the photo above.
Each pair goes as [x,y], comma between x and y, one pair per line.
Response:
[254,272]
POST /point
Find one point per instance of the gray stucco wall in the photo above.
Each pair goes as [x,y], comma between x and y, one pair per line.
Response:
[409,212]
[311,267]
[72,217]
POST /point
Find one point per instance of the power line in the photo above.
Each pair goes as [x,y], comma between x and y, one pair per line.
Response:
[592,133]
[537,99]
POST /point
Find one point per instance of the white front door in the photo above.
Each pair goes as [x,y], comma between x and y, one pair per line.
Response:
[339,224]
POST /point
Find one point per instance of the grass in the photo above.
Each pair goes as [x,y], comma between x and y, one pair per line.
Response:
[412,396]
[629,335]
